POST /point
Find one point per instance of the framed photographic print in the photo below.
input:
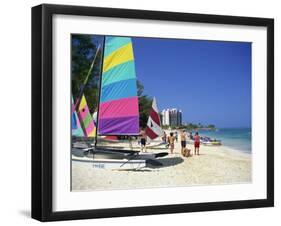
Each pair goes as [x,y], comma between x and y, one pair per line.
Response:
[145,112]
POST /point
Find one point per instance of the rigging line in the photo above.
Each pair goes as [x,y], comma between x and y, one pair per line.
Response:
[87,78]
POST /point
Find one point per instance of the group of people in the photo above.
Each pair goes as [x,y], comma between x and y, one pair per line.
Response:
[183,137]
[172,138]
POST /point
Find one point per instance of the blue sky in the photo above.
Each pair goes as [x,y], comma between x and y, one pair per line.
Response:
[210,81]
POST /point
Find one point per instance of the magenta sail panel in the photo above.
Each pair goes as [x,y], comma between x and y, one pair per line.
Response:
[118,108]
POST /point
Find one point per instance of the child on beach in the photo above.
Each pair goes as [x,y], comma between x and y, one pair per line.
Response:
[143,140]
[196,143]
[171,141]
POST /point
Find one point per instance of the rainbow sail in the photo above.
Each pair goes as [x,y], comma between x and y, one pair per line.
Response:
[118,109]
[86,119]
[75,125]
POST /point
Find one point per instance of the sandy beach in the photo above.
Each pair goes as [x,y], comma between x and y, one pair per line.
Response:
[214,165]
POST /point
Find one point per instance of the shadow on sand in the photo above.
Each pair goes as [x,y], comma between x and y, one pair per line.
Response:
[163,162]
[167,162]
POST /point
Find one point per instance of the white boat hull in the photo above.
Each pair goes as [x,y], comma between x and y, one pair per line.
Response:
[113,164]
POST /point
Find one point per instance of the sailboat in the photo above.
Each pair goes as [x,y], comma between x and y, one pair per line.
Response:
[118,109]
[75,123]
[153,129]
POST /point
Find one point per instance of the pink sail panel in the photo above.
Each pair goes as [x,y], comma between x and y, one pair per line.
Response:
[76,126]
[119,116]
[119,108]
[86,119]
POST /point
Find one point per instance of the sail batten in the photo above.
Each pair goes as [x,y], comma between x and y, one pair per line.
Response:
[118,108]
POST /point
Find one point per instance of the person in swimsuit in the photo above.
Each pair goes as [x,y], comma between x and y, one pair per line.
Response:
[171,140]
[196,143]
[164,137]
[183,141]
[143,140]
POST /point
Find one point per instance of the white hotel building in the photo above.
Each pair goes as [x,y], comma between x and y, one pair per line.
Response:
[171,117]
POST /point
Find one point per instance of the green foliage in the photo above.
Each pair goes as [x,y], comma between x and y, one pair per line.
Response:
[193,126]
[83,52]
[145,104]
[211,126]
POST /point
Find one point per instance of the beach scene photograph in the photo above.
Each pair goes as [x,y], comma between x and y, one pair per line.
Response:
[159,112]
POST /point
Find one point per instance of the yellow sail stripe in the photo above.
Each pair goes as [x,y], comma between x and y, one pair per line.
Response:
[119,56]
[93,133]
[83,103]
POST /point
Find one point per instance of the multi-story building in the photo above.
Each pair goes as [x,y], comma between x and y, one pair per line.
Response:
[171,117]
[165,117]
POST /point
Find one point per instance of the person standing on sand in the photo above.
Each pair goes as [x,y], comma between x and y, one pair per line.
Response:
[190,136]
[183,141]
[143,140]
[164,137]
[196,143]
[171,141]
[184,151]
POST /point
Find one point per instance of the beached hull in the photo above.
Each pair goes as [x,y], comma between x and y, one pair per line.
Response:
[113,164]
[104,153]
[112,159]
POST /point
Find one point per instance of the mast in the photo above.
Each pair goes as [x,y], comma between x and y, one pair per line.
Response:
[99,88]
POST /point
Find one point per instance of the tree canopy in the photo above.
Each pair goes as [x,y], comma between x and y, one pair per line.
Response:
[83,50]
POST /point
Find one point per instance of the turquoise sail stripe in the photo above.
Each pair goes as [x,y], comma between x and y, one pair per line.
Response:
[114,43]
[120,72]
[119,90]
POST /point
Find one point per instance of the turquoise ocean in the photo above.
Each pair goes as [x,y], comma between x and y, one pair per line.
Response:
[234,138]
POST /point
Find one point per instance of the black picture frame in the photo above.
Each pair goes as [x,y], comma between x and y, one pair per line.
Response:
[42,111]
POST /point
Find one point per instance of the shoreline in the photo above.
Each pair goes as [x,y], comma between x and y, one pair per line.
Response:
[216,165]
[241,143]
[231,149]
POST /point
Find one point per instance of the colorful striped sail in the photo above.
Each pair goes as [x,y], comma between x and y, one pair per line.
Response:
[75,125]
[118,109]
[86,119]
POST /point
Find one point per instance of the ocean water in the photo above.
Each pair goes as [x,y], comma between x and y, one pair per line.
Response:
[235,138]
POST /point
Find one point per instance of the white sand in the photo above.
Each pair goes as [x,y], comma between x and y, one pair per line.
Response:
[214,165]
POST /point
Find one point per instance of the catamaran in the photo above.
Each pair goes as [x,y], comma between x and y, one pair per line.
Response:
[118,110]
